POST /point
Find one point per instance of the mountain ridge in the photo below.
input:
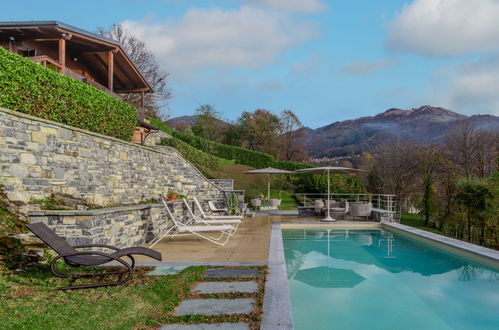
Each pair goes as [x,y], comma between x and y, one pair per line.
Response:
[426,124]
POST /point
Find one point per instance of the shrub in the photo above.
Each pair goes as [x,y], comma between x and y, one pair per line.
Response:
[32,89]
[194,155]
[340,184]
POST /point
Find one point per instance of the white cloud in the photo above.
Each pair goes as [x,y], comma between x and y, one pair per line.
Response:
[471,88]
[310,65]
[446,27]
[218,38]
[366,67]
[305,6]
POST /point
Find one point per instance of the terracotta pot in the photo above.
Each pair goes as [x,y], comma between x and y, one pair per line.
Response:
[172,197]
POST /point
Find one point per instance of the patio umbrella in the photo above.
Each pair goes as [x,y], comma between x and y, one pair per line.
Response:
[328,170]
[269,171]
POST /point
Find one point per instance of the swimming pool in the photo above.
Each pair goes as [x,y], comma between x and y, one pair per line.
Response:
[374,278]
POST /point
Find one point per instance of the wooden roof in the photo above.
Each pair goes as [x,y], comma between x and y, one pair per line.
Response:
[88,47]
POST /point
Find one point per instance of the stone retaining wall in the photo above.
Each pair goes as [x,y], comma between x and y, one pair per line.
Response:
[119,226]
[39,157]
[224,184]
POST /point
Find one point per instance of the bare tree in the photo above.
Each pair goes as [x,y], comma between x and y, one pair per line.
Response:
[291,133]
[143,58]
[396,162]
[462,144]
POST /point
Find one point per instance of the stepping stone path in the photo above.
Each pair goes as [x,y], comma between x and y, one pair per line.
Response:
[219,306]
[207,326]
[225,287]
[231,272]
[215,306]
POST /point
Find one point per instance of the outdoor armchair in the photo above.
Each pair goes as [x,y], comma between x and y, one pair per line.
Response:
[75,258]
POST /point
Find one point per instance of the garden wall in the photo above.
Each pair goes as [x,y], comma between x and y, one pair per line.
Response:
[39,157]
[119,226]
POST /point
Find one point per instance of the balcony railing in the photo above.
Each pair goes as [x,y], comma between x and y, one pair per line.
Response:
[384,205]
[47,61]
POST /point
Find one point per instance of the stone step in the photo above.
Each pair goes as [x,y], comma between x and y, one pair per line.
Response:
[225,287]
[232,272]
[215,306]
[207,326]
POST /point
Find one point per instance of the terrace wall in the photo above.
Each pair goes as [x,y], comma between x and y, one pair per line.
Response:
[40,157]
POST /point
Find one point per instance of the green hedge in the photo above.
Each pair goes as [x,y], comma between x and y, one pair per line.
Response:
[32,89]
[239,155]
[194,155]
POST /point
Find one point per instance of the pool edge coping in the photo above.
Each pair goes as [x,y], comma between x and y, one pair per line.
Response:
[276,301]
[481,251]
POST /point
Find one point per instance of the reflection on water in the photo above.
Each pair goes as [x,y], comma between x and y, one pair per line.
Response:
[376,279]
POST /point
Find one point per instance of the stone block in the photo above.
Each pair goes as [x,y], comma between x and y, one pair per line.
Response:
[39,137]
[226,287]
[27,159]
[207,326]
[215,306]
[49,131]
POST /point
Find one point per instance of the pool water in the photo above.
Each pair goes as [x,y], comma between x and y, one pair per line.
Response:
[377,279]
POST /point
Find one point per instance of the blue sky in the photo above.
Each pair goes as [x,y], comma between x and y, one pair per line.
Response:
[325,60]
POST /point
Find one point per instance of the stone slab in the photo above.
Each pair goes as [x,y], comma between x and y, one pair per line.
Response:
[231,272]
[165,270]
[207,326]
[226,287]
[215,306]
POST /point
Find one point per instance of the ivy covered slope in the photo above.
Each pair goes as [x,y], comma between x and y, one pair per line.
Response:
[32,89]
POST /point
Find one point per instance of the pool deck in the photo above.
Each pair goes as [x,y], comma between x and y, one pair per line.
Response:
[250,244]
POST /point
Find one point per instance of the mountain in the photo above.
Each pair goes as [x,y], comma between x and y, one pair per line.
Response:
[189,120]
[426,124]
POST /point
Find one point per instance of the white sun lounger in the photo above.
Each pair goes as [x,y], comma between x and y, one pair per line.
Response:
[201,231]
[234,222]
[214,217]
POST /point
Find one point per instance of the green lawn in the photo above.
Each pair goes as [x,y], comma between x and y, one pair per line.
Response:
[417,221]
[31,301]
[288,201]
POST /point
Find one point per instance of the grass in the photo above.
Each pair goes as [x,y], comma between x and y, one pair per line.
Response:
[31,301]
[417,221]
[288,200]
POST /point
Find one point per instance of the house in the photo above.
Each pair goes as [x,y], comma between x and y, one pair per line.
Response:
[79,54]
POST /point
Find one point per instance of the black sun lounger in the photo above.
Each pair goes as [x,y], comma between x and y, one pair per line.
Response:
[77,258]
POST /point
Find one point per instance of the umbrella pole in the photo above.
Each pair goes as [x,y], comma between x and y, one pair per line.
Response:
[268,188]
[328,217]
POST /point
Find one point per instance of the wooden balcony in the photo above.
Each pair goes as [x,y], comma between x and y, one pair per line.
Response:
[49,62]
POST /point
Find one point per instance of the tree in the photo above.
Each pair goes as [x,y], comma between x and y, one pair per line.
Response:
[291,133]
[429,159]
[474,196]
[397,163]
[375,183]
[462,145]
[146,62]
[208,123]
[260,130]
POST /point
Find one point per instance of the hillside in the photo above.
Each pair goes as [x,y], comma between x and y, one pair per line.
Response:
[426,124]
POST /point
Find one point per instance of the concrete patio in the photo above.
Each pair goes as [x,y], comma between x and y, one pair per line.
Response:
[250,244]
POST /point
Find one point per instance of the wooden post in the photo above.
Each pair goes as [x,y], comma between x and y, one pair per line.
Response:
[141,110]
[110,69]
[62,54]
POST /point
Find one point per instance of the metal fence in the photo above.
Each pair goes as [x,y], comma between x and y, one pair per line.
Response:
[385,206]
